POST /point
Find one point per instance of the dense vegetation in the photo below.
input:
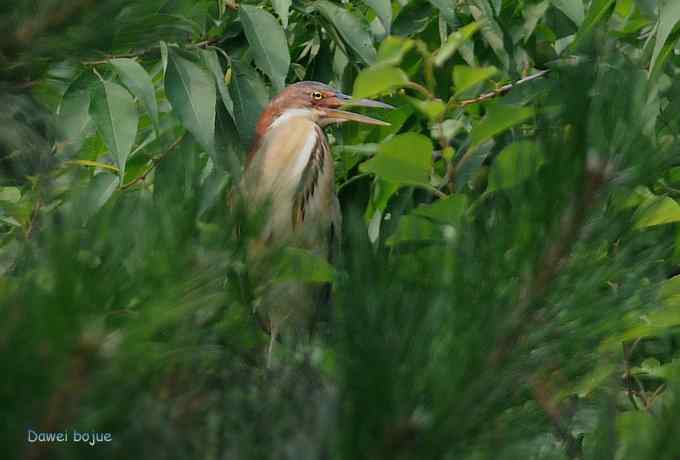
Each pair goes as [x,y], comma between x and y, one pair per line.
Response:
[508,283]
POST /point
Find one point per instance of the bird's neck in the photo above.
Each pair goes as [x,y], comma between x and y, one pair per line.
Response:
[275,115]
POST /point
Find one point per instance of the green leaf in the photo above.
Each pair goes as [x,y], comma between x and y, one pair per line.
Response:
[670,288]
[383,9]
[449,210]
[351,29]
[227,150]
[74,118]
[404,159]
[10,194]
[573,9]
[138,81]
[412,19]
[598,11]
[377,80]
[393,49]
[99,190]
[454,42]
[659,211]
[282,9]
[465,77]
[432,109]
[533,14]
[492,32]
[515,163]
[267,42]
[499,118]
[250,96]
[212,63]
[114,112]
[446,8]
[381,192]
[191,92]
[669,16]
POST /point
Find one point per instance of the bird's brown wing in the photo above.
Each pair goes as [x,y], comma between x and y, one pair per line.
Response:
[309,180]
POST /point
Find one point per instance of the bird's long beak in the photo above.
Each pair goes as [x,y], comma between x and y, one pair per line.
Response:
[339,116]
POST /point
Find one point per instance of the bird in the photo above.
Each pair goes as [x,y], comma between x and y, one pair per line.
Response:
[289,171]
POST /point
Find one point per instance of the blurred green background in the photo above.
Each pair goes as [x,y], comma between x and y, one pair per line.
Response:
[509,282]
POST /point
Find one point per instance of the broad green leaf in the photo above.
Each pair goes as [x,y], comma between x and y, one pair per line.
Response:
[191,92]
[465,77]
[432,109]
[138,81]
[393,49]
[10,194]
[381,192]
[212,63]
[227,141]
[670,289]
[499,118]
[454,42]
[598,11]
[282,9]
[446,9]
[483,14]
[267,43]
[533,14]
[414,229]
[73,120]
[99,191]
[666,52]
[652,368]
[250,97]
[383,9]
[662,210]
[669,16]
[447,210]
[573,9]
[378,80]
[351,29]
[413,19]
[115,114]
[515,163]
[404,159]
[625,199]
[303,265]
[475,157]
[656,323]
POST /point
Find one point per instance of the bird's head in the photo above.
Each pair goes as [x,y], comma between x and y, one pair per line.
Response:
[320,103]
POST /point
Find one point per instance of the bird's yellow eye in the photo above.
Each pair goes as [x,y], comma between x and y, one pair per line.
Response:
[317,96]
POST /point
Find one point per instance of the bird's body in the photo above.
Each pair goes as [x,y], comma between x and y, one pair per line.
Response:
[292,175]
[290,171]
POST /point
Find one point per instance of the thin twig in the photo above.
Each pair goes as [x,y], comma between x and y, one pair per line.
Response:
[154,163]
[139,53]
[497,92]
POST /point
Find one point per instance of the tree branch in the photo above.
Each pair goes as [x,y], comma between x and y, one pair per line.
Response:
[154,163]
[497,92]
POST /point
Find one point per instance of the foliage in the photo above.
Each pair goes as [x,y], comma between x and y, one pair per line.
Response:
[509,279]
